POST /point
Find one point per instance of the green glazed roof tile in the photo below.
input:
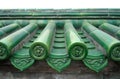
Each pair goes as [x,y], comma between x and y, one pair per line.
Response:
[95,60]
[59,41]
[59,32]
[40,48]
[86,40]
[83,36]
[23,52]
[75,45]
[90,46]
[59,45]
[59,35]
[58,57]
[21,59]
[95,53]
[59,64]
[96,64]
[59,53]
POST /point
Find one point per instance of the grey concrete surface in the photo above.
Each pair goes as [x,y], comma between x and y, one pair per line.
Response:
[9,75]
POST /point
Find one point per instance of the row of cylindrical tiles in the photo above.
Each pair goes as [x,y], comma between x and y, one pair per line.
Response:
[77,42]
[51,12]
[10,41]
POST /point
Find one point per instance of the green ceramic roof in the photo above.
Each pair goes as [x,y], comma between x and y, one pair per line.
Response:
[91,41]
